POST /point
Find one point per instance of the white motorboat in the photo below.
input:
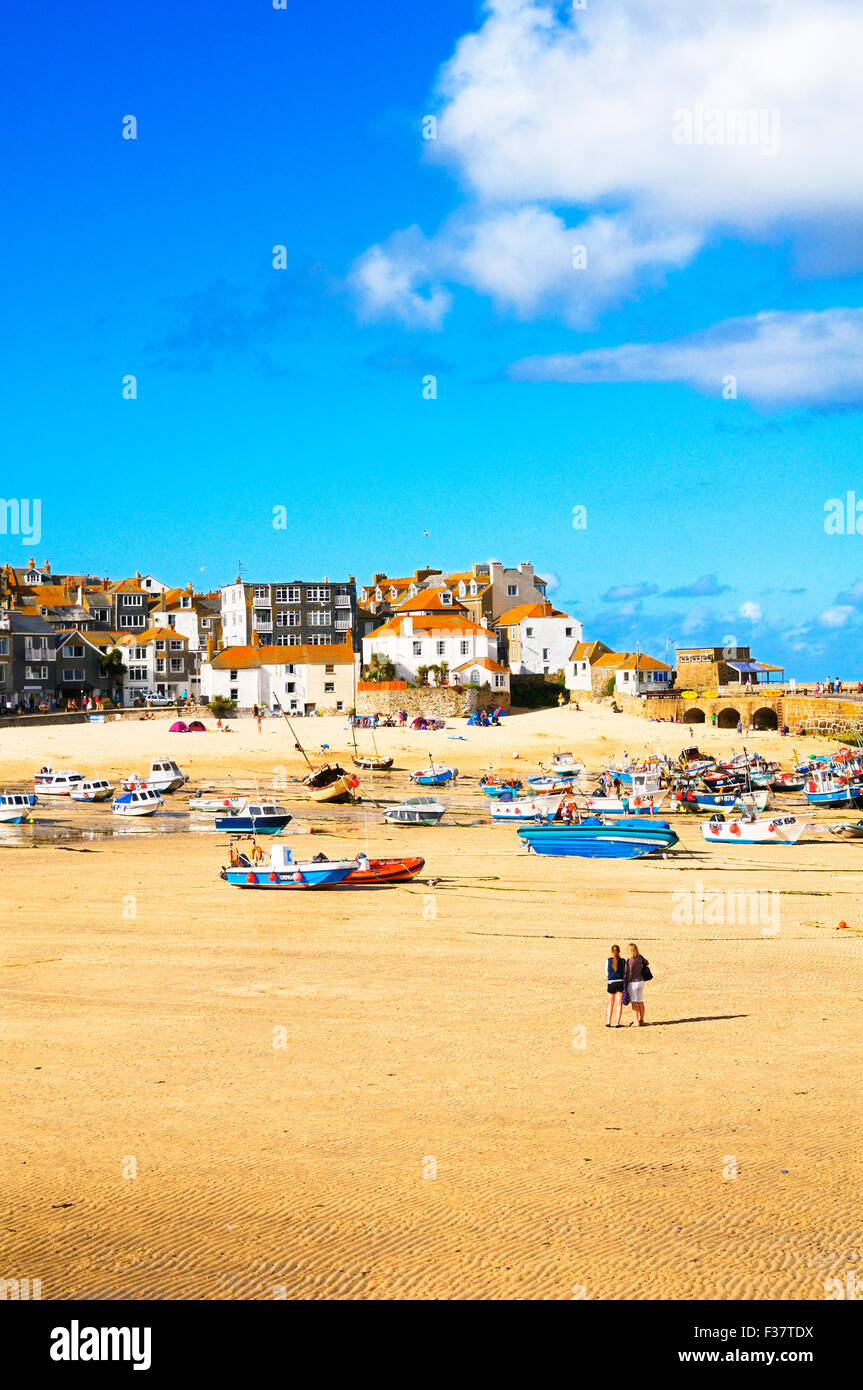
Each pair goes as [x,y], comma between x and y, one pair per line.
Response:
[141,801]
[16,807]
[60,783]
[416,810]
[164,776]
[215,805]
[526,808]
[565,762]
[781,830]
[92,789]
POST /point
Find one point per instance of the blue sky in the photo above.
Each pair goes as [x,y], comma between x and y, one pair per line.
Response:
[452,258]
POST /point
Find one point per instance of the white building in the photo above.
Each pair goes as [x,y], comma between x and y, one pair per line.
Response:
[537,639]
[303,679]
[582,658]
[157,663]
[432,629]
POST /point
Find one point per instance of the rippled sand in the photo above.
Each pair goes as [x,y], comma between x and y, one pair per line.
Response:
[411,1093]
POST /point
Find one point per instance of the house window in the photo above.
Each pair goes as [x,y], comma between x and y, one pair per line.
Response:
[32,577]
[545,653]
[329,687]
[205,622]
[290,687]
[235,694]
[176,646]
[340,704]
[73,675]
[263,615]
[317,593]
[446,597]
[320,617]
[287,639]
[568,631]
[418,648]
[528,632]
[474,675]
[288,619]
[133,600]
[440,648]
[160,664]
[511,590]
[233,676]
[4,646]
[329,670]
[289,670]
[137,673]
[77,650]
[131,619]
[317,639]
[464,648]
[262,591]
[36,673]
[177,663]
[160,645]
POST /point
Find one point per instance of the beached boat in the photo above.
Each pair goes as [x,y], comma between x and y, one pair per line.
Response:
[369,763]
[254,818]
[636,781]
[138,801]
[244,871]
[550,786]
[788,782]
[593,839]
[527,808]
[847,829]
[721,801]
[377,873]
[16,807]
[625,805]
[215,805]
[500,786]
[748,830]
[92,789]
[331,783]
[415,810]
[566,763]
[824,787]
[164,776]
[435,775]
[50,783]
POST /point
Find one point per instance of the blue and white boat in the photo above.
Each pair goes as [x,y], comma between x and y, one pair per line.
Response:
[559,782]
[283,872]
[825,788]
[593,839]
[15,807]
[526,808]
[436,775]
[141,801]
[254,818]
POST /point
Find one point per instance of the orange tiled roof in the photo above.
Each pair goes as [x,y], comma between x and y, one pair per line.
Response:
[526,610]
[484,661]
[430,600]
[247,657]
[625,661]
[434,622]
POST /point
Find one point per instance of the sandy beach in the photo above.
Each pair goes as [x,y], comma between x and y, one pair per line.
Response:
[410,1093]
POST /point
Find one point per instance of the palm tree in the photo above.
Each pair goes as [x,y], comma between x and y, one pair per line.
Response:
[382,668]
[111,666]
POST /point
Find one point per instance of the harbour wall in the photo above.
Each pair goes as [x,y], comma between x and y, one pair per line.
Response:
[432,701]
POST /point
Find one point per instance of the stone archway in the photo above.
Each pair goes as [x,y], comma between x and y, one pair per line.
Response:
[765,718]
[694,716]
[728,718]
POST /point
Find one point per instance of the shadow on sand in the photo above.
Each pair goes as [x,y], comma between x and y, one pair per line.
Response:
[704,1018]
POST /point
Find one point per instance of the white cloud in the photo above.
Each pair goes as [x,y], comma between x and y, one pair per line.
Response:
[546,108]
[750,612]
[776,359]
[837,616]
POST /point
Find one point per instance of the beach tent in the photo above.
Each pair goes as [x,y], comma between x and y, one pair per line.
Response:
[179,727]
[500,712]
[196,727]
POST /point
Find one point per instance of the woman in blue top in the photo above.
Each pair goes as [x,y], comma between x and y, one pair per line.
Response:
[614,969]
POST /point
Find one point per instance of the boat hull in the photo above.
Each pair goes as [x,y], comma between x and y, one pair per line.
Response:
[780,830]
[251,825]
[839,797]
[628,839]
[13,817]
[302,876]
[383,871]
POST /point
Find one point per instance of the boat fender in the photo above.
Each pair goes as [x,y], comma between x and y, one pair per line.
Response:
[274,878]
[226,803]
[298,878]
[734,829]
[251,878]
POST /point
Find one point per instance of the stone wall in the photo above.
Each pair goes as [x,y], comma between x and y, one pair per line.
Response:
[822,716]
[433,701]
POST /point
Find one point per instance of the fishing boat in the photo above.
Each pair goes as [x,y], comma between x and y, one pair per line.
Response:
[331,783]
[691,800]
[847,830]
[377,873]
[500,786]
[640,781]
[594,839]
[566,763]
[435,775]
[215,805]
[622,805]
[749,830]
[527,808]
[92,789]
[50,783]
[284,872]
[551,786]
[15,807]
[164,776]
[137,801]
[416,810]
[254,818]
[788,782]
[826,787]
[370,764]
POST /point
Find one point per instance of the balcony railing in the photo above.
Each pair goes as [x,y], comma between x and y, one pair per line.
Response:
[343,600]
[343,624]
[263,627]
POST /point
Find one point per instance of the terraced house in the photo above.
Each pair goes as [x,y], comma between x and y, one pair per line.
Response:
[433,630]
[28,661]
[290,613]
[304,679]
[157,662]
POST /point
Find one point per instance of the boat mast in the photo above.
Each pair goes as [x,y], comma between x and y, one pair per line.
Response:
[297,743]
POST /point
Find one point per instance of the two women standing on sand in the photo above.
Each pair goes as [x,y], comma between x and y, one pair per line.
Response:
[626,985]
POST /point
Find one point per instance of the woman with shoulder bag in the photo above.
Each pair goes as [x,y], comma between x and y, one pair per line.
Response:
[614,970]
[636,972]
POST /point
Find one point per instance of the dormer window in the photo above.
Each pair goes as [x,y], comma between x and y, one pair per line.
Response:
[461,590]
[446,596]
[472,587]
[33,577]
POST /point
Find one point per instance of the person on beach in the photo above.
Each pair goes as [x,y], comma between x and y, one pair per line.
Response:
[634,980]
[614,969]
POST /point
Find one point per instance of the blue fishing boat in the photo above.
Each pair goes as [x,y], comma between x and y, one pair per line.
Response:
[284,872]
[560,782]
[592,839]
[500,786]
[15,807]
[826,788]
[435,775]
[258,818]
